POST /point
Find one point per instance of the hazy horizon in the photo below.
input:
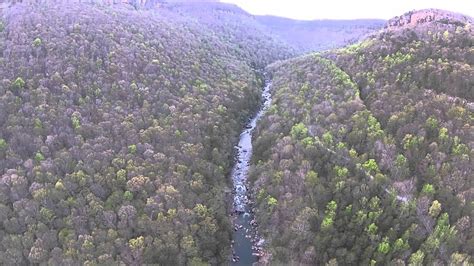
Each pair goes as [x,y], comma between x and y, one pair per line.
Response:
[309,10]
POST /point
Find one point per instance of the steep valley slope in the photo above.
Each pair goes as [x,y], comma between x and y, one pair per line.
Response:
[117,129]
[366,155]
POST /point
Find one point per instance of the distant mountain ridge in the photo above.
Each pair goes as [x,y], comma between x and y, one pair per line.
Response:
[318,35]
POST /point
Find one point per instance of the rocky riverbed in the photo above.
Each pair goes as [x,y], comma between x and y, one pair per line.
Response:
[247,244]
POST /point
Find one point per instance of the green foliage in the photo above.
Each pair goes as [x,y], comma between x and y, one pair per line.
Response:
[397,58]
[401,160]
[341,172]
[371,166]
[417,258]
[127,195]
[59,185]
[381,178]
[446,35]
[400,245]
[459,148]
[341,145]
[19,83]
[435,209]
[428,189]
[327,223]
[443,134]
[308,142]
[353,153]
[432,123]
[411,142]
[271,201]
[441,235]
[132,149]
[38,124]
[374,129]
[329,215]
[39,157]
[76,122]
[327,138]
[278,177]
[372,229]
[358,47]
[3,144]
[88,244]
[201,210]
[299,131]
[384,246]
[374,203]
[460,259]
[136,243]
[122,175]
[311,178]
[37,42]
[457,112]
[304,89]
[331,206]
[65,235]
[46,214]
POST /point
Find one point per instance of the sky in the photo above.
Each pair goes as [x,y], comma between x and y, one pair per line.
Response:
[348,9]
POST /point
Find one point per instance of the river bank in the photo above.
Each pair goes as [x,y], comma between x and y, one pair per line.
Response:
[247,244]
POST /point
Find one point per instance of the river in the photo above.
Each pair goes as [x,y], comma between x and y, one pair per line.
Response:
[247,244]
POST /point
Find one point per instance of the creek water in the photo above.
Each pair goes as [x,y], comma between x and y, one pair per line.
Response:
[247,244]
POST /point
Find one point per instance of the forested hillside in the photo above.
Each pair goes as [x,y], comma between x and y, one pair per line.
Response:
[246,37]
[116,133]
[118,121]
[366,155]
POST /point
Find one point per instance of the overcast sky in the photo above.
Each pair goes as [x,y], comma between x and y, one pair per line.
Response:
[348,9]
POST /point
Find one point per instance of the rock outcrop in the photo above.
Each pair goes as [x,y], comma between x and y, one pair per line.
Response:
[414,18]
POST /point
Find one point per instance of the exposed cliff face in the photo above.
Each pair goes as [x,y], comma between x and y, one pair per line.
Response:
[414,18]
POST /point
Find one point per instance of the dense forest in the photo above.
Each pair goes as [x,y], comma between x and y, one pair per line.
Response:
[119,120]
[365,157]
[117,128]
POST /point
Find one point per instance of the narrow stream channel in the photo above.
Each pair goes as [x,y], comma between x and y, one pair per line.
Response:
[247,244]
